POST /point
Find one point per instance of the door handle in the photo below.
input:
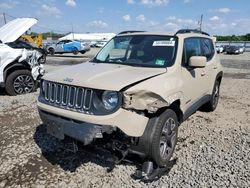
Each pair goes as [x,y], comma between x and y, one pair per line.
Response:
[215,67]
[203,74]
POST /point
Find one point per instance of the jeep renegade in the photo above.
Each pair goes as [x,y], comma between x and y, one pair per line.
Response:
[136,92]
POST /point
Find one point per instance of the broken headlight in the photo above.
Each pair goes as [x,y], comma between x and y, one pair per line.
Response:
[110,99]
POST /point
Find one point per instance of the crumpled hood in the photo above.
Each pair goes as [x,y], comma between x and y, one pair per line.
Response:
[15,28]
[102,75]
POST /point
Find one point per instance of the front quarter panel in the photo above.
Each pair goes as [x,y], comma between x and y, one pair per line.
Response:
[154,93]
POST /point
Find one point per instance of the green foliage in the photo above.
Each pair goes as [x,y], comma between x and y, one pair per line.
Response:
[234,38]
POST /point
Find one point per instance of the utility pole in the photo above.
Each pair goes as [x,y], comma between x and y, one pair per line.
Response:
[4,18]
[72,31]
[200,22]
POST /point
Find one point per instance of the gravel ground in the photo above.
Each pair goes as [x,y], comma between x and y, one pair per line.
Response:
[212,151]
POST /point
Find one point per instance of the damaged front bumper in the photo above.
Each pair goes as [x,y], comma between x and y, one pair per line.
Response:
[131,123]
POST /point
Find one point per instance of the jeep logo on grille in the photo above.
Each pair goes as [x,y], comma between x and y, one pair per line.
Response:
[68,79]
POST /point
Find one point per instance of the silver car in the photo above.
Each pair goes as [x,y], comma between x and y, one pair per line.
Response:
[68,46]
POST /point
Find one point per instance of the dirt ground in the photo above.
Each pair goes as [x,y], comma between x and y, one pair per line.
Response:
[212,151]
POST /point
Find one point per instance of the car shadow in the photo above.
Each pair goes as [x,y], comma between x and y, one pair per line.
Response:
[69,56]
[55,152]
[2,92]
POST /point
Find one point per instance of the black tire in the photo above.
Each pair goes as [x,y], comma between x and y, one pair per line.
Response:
[164,134]
[20,82]
[83,52]
[211,105]
[51,51]
[75,51]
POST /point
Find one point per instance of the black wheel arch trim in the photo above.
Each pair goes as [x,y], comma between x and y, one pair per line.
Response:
[219,76]
[15,66]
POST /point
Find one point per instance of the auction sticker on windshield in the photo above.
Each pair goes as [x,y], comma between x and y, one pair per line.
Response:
[164,43]
[160,62]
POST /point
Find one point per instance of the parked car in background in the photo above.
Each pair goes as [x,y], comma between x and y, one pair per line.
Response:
[225,47]
[68,46]
[242,49]
[233,50]
[219,48]
[100,44]
[20,69]
[20,44]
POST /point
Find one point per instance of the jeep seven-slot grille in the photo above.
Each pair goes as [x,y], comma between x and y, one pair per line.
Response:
[68,97]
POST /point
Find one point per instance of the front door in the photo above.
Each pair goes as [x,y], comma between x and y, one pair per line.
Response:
[59,46]
[194,79]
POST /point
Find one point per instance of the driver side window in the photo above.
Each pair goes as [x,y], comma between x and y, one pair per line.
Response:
[61,42]
[191,48]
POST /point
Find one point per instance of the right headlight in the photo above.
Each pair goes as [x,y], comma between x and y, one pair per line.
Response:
[110,99]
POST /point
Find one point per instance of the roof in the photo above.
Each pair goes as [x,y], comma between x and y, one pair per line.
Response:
[183,35]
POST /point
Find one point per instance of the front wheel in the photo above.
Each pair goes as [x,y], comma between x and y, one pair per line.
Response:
[164,137]
[20,82]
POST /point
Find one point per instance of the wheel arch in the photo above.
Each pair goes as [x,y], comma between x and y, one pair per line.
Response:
[14,67]
[175,106]
[219,76]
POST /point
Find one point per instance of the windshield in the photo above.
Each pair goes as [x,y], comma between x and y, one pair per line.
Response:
[139,50]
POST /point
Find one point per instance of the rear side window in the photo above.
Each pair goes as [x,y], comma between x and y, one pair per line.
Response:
[207,48]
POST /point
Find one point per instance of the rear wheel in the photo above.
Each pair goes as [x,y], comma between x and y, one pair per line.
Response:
[75,51]
[213,102]
[20,82]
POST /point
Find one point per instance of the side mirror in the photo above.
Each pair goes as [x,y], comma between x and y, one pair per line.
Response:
[197,61]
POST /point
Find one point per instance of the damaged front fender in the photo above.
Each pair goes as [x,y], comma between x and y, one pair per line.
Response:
[9,55]
[148,96]
[144,100]
[148,100]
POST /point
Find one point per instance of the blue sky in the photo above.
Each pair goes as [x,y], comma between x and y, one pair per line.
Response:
[223,17]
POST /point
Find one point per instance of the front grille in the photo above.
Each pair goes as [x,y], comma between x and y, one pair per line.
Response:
[68,97]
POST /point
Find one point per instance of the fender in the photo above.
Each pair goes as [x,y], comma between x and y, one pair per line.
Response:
[220,74]
[14,65]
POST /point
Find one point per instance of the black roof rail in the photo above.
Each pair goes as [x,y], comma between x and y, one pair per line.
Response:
[127,32]
[181,31]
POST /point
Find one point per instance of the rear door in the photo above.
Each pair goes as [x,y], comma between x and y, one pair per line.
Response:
[208,51]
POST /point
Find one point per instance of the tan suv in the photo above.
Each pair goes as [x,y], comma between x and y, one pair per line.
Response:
[135,92]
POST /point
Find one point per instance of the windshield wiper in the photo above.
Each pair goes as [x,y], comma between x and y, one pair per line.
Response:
[94,60]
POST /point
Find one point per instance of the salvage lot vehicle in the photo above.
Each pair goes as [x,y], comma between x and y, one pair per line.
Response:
[234,50]
[68,46]
[100,44]
[135,96]
[19,44]
[219,48]
[19,68]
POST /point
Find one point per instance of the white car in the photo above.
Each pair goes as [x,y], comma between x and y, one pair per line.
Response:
[241,49]
[100,44]
[19,68]
[219,48]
